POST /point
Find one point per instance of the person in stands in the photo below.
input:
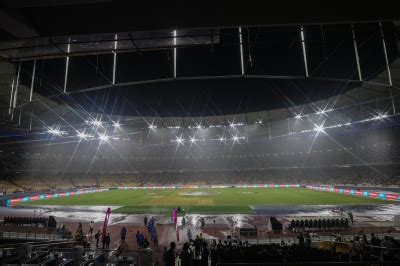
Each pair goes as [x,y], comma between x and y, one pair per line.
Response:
[145,220]
[186,255]
[204,255]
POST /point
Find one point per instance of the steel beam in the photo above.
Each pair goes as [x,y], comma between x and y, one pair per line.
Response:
[66,68]
[115,58]
[174,33]
[303,44]
[356,52]
[11,97]
[241,50]
[387,65]
[33,80]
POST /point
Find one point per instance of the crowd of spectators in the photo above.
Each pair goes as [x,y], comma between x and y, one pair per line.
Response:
[335,176]
[357,250]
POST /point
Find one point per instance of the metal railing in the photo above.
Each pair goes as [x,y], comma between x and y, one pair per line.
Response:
[29,236]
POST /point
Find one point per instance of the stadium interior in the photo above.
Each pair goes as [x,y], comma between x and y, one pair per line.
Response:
[162,138]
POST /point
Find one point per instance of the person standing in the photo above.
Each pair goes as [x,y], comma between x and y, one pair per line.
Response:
[91,225]
[97,237]
[138,239]
[183,221]
[147,257]
[204,255]
[145,220]
[170,255]
[123,234]
[186,255]
[189,234]
[108,240]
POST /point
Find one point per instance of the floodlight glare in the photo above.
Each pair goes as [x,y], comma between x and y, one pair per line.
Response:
[222,139]
[116,124]
[103,137]
[235,138]
[82,135]
[179,140]
[319,128]
[152,127]
[193,140]
[298,116]
[97,122]
[56,132]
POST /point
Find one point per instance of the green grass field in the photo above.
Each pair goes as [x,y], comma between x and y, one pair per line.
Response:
[226,200]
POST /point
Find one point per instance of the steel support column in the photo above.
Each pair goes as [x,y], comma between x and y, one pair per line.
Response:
[303,44]
[11,97]
[33,80]
[174,33]
[356,52]
[30,122]
[115,58]
[387,65]
[20,115]
[241,51]
[66,68]
[15,97]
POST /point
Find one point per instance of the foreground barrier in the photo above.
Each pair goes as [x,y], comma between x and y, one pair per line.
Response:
[14,201]
[358,192]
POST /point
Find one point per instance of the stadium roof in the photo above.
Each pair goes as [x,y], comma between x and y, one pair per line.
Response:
[204,78]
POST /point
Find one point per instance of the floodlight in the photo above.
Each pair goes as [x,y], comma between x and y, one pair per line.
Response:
[116,124]
[103,137]
[54,131]
[97,122]
[298,116]
[319,128]
[179,140]
[82,135]
[152,127]
[193,140]
[235,138]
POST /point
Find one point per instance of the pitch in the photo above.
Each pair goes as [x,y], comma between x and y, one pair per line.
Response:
[215,201]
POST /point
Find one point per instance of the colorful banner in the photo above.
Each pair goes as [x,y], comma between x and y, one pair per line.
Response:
[358,192]
[14,201]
